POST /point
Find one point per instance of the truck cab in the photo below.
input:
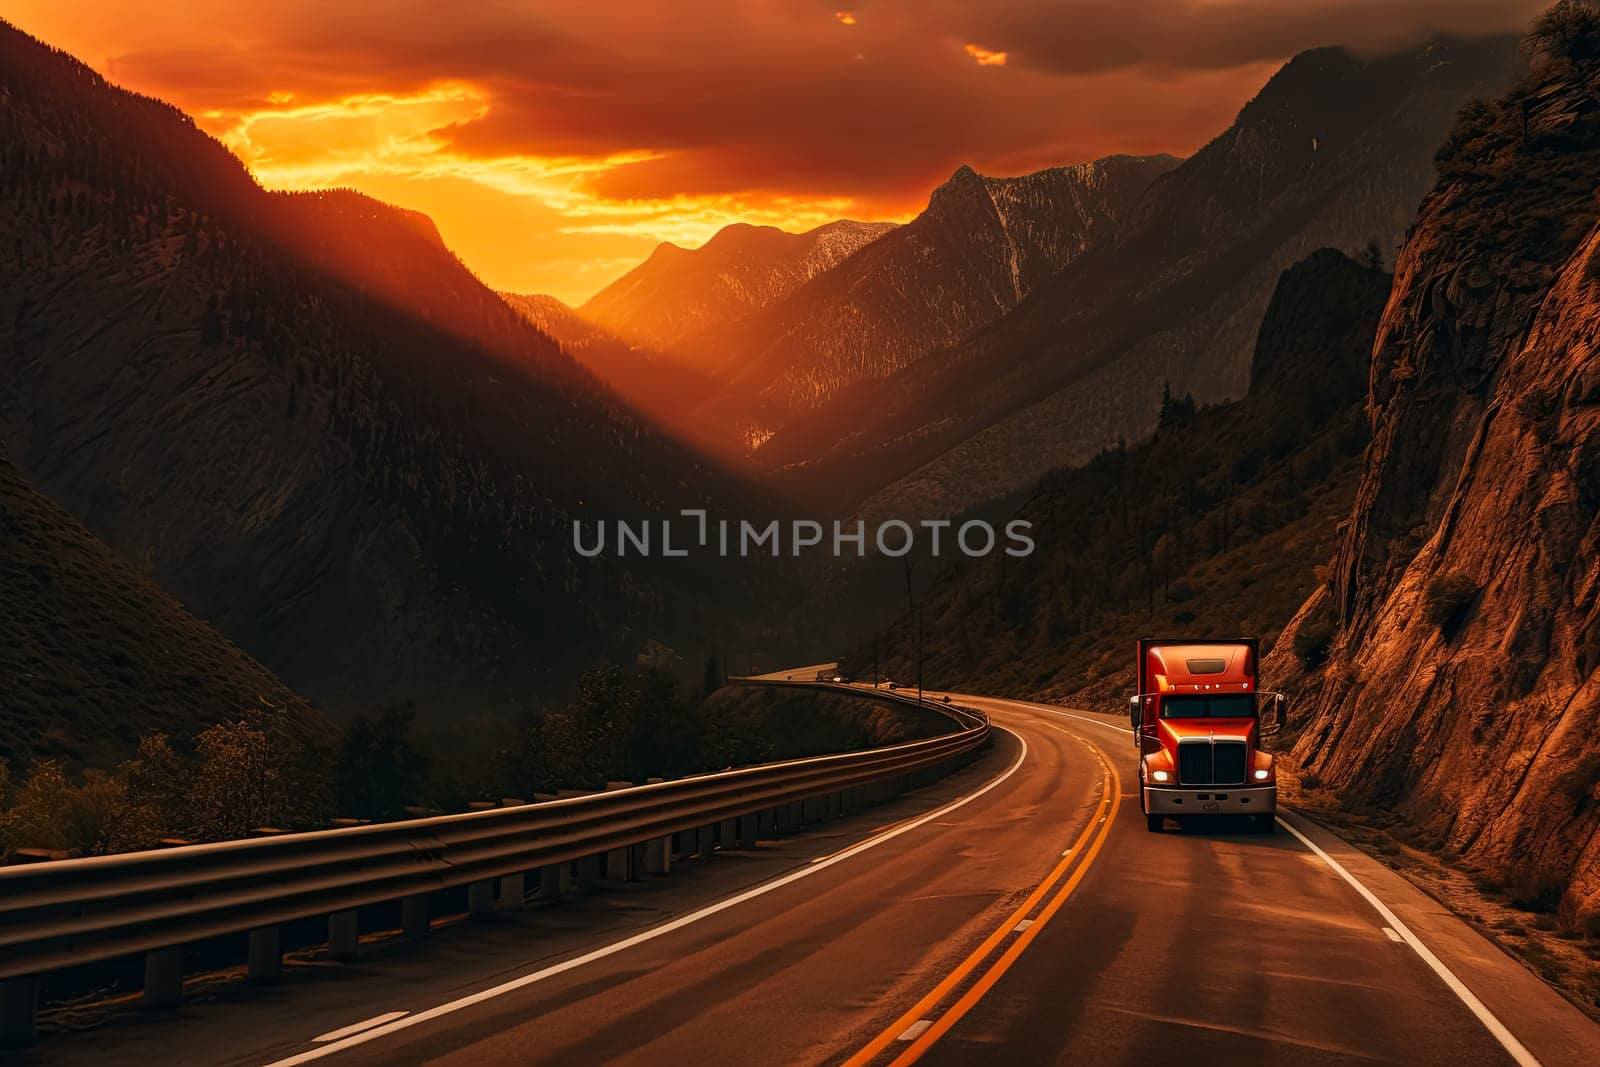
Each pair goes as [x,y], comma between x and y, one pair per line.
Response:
[1197,723]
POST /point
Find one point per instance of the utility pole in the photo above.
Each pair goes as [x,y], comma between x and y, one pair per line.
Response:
[914,624]
[919,653]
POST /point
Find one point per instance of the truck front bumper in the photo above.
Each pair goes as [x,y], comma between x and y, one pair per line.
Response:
[1219,800]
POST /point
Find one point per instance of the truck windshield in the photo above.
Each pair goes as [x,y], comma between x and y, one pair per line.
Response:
[1206,706]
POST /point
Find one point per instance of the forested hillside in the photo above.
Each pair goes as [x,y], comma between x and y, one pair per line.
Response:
[324,436]
[1222,519]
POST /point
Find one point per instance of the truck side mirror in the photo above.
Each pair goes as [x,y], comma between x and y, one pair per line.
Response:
[1279,702]
[1133,712]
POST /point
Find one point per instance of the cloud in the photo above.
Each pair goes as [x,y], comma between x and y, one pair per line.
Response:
[984,57]
[670,117]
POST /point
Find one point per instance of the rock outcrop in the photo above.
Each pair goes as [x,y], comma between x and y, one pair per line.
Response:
[1463,690]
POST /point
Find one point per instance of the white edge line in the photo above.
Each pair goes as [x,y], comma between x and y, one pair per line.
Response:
[1517,1050]
[1402,932]
[647,935]
[1392,936]
[356,1028]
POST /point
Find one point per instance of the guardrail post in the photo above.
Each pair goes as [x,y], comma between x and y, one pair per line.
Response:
[833,806]
[809,812]
[19,997]
[728,833]
[748,829]
[163,977]
[589,873]
[480,899]
[788,818]
[264,955]
[554,881]
[767,822]
[414,915]
[343,935]
[616,865]
[513,896]
[616,860]
[658,855]
[706,841]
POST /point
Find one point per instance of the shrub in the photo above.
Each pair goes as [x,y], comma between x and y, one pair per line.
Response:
[1448,598]
[1312,641]
[1569,29]
[48,811]
[1535,891]
[254,772]
[380,769]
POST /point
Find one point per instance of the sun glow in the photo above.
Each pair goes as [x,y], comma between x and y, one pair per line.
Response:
[984,57]
[389,145]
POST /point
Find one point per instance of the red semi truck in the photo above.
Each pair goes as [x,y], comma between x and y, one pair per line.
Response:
[1197,724]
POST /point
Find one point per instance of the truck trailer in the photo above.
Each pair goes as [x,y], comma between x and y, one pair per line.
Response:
[1197,724]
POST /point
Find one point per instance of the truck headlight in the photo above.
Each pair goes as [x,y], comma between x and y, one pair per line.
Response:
[1161,776]
[1263,774]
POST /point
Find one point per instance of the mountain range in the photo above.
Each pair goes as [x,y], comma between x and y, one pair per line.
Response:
[667,301]
[1018,324]
[979,249]
[1405,506]
[327,438]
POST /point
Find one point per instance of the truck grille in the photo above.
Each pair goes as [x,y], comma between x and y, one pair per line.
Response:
[1228,762]
[1194,762]
[1211,763]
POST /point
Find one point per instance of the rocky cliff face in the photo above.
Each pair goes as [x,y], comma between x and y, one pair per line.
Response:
[1464,686]
[678,293]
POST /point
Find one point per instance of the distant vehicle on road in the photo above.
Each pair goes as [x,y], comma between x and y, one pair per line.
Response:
[832,674]
[1197,724]
[891,685]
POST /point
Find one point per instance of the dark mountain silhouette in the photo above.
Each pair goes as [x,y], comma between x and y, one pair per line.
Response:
[95,656]
[1336,150]
[329,439]
[662,388]
[678,293]
[978,249]
[1222,516]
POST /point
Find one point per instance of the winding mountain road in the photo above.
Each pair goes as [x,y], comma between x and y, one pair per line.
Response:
[1016,913]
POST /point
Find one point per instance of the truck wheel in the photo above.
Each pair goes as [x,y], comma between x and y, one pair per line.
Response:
[1153,823]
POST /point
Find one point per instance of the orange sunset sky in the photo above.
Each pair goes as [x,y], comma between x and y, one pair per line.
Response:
[555,143]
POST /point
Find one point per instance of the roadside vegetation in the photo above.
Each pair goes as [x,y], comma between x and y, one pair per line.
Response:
[258,774]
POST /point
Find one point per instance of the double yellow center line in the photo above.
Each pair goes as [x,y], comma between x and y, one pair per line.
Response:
[1099,826]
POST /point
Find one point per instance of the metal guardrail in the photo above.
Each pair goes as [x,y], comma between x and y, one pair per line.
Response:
[79,911]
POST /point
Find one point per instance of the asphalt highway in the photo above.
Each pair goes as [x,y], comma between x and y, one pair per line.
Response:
[1016,913]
